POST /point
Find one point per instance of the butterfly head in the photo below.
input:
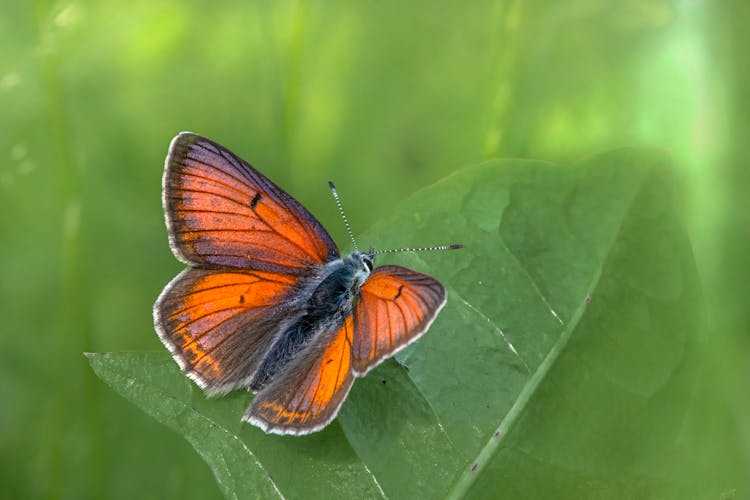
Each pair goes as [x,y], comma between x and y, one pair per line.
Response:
[368,259]
[362,263]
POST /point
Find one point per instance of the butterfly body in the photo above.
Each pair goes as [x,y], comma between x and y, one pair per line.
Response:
[325,303]
[267,303]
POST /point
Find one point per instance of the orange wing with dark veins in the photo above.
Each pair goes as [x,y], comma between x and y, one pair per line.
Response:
[307,396]
[219,324]
[395,308]
[220,211]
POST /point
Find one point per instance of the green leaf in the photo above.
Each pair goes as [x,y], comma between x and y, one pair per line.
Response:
[246,462]
[561,366]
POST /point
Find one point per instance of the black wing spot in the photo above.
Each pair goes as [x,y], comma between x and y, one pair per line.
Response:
[242,299]
[329,361]
[256,199]
[398,294]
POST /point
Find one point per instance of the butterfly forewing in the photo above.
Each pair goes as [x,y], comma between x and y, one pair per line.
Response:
[218,325]
[222,212]
[395,308]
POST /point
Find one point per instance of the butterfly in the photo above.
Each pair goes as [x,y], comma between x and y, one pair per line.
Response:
[267,303]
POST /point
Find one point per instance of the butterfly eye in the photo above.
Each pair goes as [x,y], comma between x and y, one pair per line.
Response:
[368,263]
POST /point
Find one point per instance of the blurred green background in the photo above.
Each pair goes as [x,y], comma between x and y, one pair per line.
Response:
[383,97]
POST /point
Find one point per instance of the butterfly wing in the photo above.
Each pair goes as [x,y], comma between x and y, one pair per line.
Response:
[308,396]
[220,211]
[396,306]
[219,324]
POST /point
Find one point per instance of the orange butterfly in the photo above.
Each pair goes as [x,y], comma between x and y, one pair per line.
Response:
[268,304]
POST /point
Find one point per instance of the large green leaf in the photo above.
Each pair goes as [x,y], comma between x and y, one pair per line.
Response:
[559,368]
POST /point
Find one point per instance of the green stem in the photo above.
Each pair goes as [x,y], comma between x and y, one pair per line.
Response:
[74,332]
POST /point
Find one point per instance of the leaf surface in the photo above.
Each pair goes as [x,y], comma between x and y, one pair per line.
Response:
[561,366]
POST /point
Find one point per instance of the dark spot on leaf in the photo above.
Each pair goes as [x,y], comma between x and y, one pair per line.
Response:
[474,467]
[588,298]
[497,433]
[383,381]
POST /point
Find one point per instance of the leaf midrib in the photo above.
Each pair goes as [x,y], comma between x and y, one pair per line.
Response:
[468,477]
[470,474]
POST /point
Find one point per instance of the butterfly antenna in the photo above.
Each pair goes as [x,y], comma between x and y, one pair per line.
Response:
[343,215]
[455,246]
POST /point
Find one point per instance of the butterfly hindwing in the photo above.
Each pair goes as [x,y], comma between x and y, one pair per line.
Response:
[218,325]
[220,211]
[307,396]
[395,308]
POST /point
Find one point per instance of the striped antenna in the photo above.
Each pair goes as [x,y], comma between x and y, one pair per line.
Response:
[455,246]
[343,215]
